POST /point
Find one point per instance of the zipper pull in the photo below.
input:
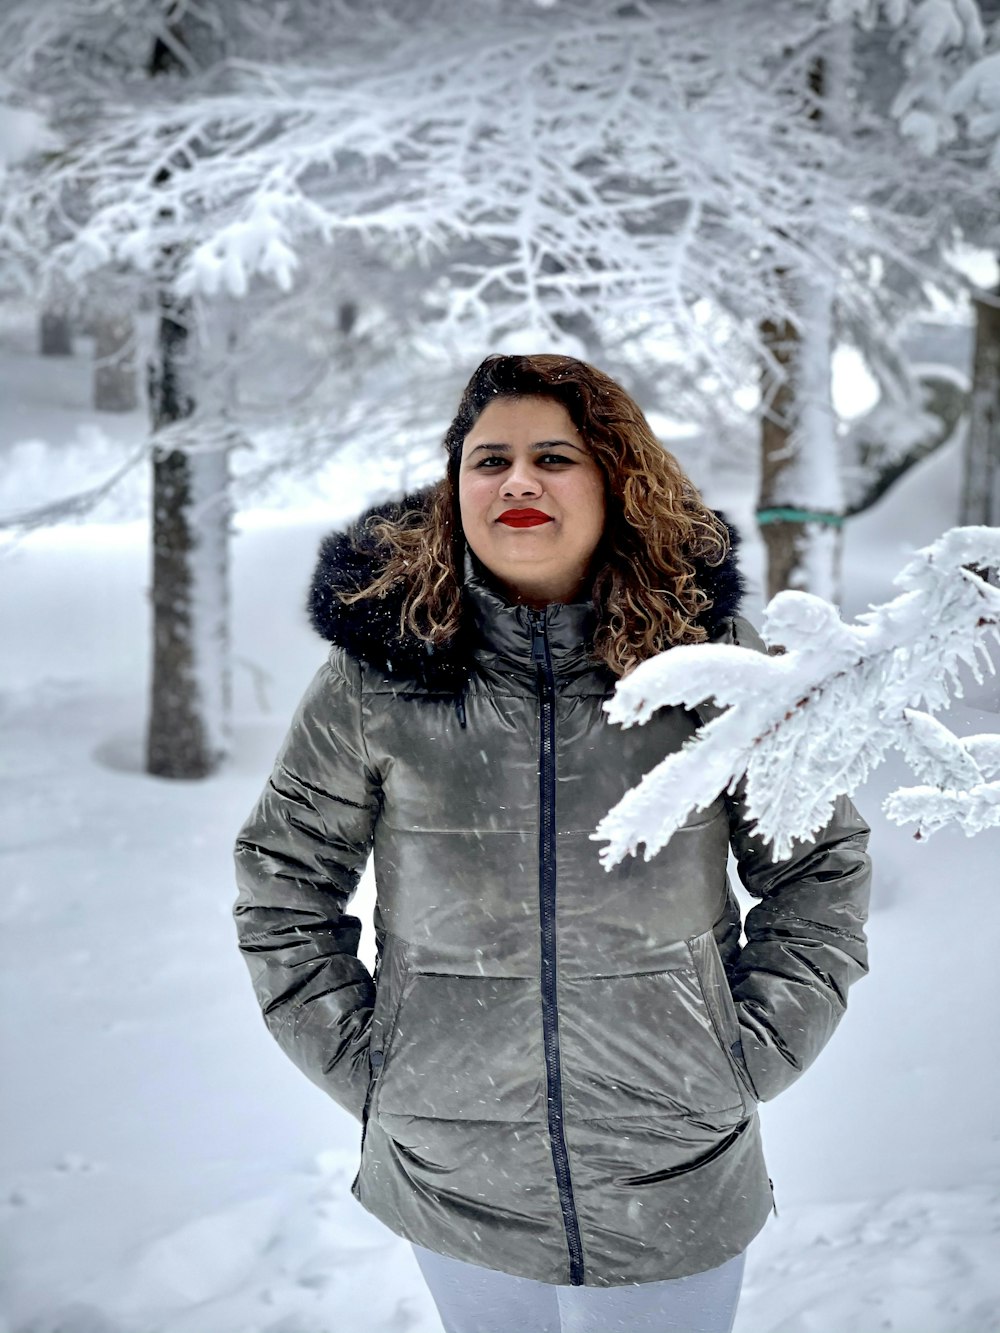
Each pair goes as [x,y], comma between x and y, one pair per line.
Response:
[536,619]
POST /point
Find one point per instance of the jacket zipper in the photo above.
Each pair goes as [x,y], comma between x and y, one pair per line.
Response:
[547,919]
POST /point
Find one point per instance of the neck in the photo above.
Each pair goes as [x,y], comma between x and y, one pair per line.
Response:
[539,596]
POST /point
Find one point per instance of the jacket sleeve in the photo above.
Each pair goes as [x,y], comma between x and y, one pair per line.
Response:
[298,860]
[805,940]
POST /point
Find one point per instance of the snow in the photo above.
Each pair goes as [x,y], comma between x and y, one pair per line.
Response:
[165,1170]
[920,1262]
[815,472]
[257,244]
[22,132]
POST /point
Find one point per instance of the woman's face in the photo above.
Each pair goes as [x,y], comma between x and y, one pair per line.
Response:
[531,496]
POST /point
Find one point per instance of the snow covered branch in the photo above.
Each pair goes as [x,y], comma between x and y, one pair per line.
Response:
[591,160]
[800,728]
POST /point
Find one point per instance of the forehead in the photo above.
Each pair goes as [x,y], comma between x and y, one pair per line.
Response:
[520,420]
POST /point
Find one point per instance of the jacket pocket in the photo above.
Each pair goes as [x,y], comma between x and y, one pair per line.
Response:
[390,982]
[463,1048]
[694,1163]
[646,1045]
[722,1010]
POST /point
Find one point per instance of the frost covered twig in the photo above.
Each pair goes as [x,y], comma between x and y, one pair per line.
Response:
[803,727]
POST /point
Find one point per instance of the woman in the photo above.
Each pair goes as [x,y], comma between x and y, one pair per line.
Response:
[555,1069]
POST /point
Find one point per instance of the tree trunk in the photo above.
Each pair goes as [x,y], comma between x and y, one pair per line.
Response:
[981,473]
[115,387]
[188,721]
[801,505]
[801,496]
[55,337]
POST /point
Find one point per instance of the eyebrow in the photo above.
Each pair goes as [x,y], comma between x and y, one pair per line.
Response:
[501,448]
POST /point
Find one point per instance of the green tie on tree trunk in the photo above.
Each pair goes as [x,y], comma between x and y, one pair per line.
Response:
[790,529]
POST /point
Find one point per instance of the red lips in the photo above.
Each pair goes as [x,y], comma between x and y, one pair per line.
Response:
[524,518]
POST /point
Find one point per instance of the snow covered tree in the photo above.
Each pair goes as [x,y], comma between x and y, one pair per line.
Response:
[187,730]
[805,491]
[951,99]
[562,171]
[789,733]
[88,63]
[800,502]
[973,103]
[689,174]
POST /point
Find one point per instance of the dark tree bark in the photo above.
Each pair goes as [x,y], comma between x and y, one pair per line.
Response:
[782,540]
[190,688]
[55,336]
[981,473]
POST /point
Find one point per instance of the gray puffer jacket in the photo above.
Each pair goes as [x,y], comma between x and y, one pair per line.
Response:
[556,1068]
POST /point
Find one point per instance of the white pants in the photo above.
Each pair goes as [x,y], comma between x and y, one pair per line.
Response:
[471,1299]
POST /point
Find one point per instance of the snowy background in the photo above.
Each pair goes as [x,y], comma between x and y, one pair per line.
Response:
[165,1170]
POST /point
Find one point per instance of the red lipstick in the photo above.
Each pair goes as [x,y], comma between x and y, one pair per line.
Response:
[524,518]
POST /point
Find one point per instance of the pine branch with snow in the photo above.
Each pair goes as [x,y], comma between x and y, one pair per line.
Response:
[803,727]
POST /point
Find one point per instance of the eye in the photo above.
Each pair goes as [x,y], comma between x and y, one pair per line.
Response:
[555,458]
[490,461]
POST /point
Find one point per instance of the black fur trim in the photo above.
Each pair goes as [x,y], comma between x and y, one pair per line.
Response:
[369,630]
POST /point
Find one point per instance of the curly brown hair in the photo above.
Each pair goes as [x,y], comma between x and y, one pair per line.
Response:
[645,591]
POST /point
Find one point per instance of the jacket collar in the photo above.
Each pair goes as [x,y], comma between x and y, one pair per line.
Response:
[369,630]
[505,629]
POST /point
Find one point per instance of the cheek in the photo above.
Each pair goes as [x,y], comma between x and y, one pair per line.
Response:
[472,500]
[597,509]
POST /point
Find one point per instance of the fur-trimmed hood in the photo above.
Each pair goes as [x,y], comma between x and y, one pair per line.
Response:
[369,630]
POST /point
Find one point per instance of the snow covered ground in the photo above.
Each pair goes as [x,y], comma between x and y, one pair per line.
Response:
[164,1169]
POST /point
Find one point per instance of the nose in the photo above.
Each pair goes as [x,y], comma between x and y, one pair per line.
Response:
[521,481]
